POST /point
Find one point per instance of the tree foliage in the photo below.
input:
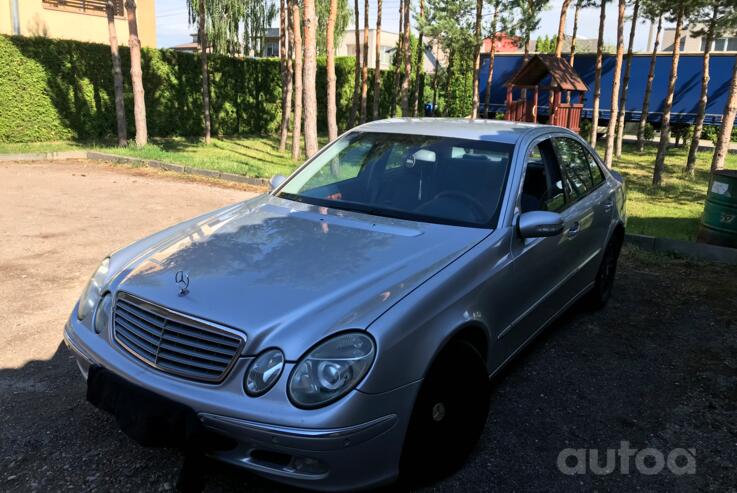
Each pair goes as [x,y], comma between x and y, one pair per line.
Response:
[546,44]
[341,22]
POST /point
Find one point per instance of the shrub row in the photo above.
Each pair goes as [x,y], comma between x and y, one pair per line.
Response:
[59,89]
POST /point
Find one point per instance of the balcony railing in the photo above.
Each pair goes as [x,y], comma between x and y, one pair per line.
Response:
[84,6]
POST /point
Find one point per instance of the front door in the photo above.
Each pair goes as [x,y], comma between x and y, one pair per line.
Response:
[541,266]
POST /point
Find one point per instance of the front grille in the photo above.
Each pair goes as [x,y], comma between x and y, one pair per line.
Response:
[174,342]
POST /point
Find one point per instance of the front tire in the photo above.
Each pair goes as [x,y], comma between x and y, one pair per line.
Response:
[449,415]
[604,283]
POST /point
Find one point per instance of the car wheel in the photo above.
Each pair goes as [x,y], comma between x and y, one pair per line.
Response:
[449,415]
[604,283]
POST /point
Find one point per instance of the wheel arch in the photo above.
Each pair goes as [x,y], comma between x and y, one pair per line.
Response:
[617,234]
[473,333]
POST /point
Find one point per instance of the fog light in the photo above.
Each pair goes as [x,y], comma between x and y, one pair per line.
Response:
[308,465]
[263,372]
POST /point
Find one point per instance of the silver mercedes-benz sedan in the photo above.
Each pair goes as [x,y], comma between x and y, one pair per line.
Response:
[345,326]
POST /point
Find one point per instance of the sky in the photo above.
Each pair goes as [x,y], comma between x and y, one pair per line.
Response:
[173,27]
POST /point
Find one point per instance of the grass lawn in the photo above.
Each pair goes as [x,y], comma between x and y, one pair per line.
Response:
[673,211]
[257,157]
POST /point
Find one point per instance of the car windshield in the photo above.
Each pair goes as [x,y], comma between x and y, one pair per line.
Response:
[417,177]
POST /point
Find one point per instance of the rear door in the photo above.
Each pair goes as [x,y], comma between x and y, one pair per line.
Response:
[585,214]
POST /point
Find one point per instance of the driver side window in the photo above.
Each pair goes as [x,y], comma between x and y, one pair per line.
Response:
[542,189]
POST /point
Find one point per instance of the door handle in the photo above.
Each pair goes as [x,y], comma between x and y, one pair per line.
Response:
[573,230]
[608,205]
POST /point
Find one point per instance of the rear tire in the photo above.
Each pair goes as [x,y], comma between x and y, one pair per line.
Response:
[604,283]
[449,415]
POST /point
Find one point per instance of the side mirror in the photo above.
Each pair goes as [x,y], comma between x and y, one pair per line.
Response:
[276,182]
[539,224]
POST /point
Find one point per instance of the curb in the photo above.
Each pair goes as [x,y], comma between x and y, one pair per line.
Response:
[44,156]
[701,251]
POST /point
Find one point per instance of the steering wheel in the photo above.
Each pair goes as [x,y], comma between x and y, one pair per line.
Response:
[477,207]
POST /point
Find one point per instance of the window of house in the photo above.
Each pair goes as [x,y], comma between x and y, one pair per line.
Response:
[721,44]
[386,55]
[96,7]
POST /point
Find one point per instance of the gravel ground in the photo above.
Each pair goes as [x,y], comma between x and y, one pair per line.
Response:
[657,368]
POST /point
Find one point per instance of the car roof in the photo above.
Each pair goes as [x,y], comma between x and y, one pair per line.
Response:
[460,128]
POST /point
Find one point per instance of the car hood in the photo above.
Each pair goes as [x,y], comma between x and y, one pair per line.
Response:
[287,273]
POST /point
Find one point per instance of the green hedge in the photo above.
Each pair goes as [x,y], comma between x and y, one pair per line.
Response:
[59,90]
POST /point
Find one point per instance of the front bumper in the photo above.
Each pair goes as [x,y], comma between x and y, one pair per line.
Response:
[354,443]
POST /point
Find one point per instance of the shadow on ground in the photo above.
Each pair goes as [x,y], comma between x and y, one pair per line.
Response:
[656,368]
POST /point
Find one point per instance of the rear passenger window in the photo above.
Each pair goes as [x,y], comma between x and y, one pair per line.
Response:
[576,167]
[596,175]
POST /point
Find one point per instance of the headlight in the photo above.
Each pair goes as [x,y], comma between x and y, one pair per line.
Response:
[263,372]
[92,291]
[102,314]
[331,370]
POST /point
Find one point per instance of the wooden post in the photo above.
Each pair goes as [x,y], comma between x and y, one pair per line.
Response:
[534,108]
[551,107]
[509,103]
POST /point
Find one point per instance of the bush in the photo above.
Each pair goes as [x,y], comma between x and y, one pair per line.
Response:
[682,133]
[648,132]
[59,90]
[711,132]
[585,130]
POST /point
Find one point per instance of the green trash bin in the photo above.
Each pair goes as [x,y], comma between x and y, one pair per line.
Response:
[719,222]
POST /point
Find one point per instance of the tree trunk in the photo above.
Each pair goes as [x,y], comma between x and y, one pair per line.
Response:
[668,105]
[286,75]
[576,11]
[297,132]
[435,80]
[477,59]
[597,73]
[526,52]
[364,63]
[626,81]
[728,116]
[202,36]
[310,71]
[357,72]
[561,28]
[330,39]
[407,60]
[117,76]
[612,126]
[449,78]
[139,103]
[398,62]
[648,90]
[703,99]
[419,62]
[377,63]
[492,56]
